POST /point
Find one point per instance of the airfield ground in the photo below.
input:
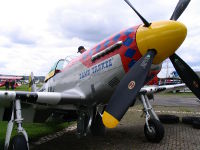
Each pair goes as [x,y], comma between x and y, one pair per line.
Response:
[129,134]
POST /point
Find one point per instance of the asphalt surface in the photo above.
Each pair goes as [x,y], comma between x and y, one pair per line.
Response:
[176,100]
[129,133]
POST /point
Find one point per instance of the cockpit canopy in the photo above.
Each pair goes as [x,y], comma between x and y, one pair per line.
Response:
[59,66]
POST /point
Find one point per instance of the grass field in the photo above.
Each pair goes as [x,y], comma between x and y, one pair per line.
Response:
[23,87]
[34,130]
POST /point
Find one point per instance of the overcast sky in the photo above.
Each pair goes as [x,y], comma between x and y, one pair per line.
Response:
[36,33]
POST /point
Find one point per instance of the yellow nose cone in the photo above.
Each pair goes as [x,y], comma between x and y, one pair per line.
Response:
[163,36]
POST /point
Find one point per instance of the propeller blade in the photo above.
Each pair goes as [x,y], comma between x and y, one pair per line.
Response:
[147,24]
[188,76]
[127,90]
[180,7]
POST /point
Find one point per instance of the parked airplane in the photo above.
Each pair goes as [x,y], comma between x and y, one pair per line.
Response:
[9,81]
[10,77]
[106,80]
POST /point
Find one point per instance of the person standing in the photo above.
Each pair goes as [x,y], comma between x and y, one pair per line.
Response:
[7,85]
[81,49]
[12,84]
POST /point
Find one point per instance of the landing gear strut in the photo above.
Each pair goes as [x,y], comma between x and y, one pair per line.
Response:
[153,129]
[90,120]
[97,127]
[83,122]
[20,141]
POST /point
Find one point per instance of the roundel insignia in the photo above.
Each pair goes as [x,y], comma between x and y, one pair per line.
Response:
[131,85]
[195,84]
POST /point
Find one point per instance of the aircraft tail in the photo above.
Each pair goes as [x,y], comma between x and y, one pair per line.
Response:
[32,86]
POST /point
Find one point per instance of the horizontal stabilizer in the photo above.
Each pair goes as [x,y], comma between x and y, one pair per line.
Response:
[164,88]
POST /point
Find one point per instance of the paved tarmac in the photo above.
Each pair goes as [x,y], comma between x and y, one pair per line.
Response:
[129,133]
[176,100]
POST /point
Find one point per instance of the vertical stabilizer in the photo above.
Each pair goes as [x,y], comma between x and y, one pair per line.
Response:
[32,85]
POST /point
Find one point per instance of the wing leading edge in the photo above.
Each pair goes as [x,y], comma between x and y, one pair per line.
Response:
[48,98]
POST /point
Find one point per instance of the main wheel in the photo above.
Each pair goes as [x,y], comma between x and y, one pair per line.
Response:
[97,127]
[157,131]
[18,143]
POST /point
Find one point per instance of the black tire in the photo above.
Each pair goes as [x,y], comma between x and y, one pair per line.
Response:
[196,124]
[157,131]
[97,127]
[18,143]
[190,119]
[169,119]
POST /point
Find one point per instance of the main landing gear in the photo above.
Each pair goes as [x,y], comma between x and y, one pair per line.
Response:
[153,129]
[20,141]
[97,127]
[90,120]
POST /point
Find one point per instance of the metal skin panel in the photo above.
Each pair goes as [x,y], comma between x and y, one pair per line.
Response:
[6,97]
[90,85]
[101,90]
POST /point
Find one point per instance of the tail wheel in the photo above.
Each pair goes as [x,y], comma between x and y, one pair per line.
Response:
[18,143]
[157,131]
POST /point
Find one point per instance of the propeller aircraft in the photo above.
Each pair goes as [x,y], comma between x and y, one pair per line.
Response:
[103,82]
[9,80]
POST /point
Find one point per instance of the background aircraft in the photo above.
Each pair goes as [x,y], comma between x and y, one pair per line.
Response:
[9,81]
[106,80]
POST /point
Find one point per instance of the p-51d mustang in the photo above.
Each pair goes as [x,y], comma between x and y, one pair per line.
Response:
[106,80]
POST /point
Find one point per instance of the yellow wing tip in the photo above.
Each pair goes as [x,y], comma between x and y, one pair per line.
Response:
[109,121]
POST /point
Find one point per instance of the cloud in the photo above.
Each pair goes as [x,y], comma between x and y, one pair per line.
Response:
[96,21]
[84,24]
[35,34]
[18,36]
[22,61]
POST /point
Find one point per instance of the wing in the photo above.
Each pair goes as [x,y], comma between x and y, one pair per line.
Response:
[44,98]
[10,78]
[163,88]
